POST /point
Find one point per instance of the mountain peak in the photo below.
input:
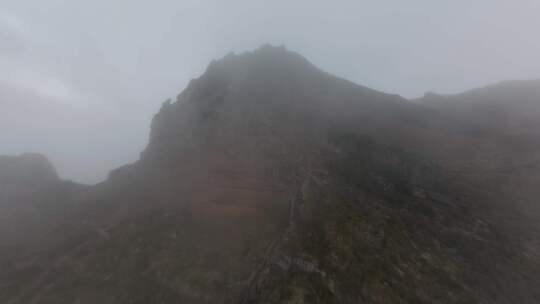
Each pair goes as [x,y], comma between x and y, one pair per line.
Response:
[267,61]
[28,166]
[263,94]
[264,53]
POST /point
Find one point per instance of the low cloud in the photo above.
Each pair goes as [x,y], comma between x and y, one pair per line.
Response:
[94,67]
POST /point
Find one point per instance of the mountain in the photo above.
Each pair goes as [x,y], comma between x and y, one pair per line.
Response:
[507,105]
[34,169]
[32,200]
[503,123]
[270,181]
[505,117]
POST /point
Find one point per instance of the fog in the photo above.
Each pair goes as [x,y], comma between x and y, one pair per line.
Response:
[81,80]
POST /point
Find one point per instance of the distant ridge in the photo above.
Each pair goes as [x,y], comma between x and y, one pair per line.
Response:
[29,166]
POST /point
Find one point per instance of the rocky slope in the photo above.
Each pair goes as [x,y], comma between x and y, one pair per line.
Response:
[501,155]
[270,181]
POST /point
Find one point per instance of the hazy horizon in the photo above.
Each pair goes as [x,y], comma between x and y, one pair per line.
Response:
[80,82]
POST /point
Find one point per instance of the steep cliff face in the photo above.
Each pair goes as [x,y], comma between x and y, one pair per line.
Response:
[270,181]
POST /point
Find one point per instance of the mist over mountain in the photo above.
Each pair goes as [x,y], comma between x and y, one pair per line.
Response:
[69,133]
[268,180]
[81,86]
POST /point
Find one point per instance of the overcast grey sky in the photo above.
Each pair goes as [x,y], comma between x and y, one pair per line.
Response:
[80,80]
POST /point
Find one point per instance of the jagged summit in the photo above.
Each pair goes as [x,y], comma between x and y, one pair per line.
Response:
[268,67]
[265,60]
[266,52]
[269,91]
